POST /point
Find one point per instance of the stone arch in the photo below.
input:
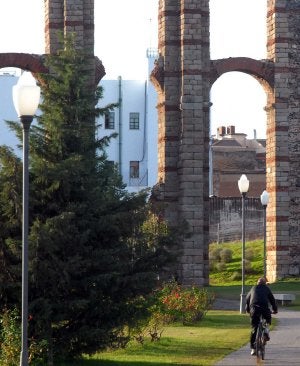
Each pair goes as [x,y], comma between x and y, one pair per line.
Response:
[183,76]
[262,71]
[35,63]
[29,62]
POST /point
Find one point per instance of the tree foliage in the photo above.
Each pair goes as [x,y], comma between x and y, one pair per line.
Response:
[94,253]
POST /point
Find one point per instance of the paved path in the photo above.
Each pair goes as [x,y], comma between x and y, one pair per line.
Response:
[282,350]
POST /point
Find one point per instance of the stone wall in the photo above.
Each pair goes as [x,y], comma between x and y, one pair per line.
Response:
[225,219]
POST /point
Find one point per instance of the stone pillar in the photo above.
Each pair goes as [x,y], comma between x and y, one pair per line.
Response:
[72,16]
[183,111]
[283,136]
[54,22]
[168,105]
[193,164]
[69,16]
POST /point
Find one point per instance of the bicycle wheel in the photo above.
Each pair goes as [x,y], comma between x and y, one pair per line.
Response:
[262,347]
[260,344]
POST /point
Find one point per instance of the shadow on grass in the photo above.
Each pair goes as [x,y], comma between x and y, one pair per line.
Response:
[215,319]
[183,347]
[231,292]
[117,363]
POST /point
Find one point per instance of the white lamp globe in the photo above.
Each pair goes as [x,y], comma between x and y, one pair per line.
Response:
[26,95]
[243,184]
[264,198]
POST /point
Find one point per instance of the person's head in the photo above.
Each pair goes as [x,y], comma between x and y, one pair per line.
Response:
[261,281]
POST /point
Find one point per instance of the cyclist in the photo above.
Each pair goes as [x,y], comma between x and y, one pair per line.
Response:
[257,303]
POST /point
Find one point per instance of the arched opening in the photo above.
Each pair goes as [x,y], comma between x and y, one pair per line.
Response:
[238,135]
[8,78]
[11,67]
[238,126]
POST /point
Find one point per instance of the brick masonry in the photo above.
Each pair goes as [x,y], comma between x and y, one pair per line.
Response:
[283,140]
[183,77]
[72,17]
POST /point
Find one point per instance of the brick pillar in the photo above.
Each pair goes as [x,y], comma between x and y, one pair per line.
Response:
[194,137]
[283,136]
[71,16]
[183,111]
[168,106]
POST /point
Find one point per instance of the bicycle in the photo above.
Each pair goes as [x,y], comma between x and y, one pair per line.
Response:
[262,336]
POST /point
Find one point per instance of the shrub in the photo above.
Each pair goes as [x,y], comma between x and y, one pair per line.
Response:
[249,254]
[248,266]
[236,276]
[187,305]
[156,325]
[37,351]
[10,338]
[226,255]
[214,254]
[152,326]
[221,266]
[212,265]
[171,303]
[10,341]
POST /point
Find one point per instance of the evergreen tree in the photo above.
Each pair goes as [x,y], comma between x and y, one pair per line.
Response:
[91,259]
[10,227]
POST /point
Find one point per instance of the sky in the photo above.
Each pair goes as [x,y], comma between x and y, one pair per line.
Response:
[238,28]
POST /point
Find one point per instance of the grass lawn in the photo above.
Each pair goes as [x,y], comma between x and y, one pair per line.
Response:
[220,333]
[225,284]
[230,273]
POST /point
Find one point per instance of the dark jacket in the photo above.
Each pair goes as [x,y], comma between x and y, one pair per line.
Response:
[260,295]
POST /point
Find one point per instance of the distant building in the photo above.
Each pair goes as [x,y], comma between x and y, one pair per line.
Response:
[134,150]
[233,154]
[8,78]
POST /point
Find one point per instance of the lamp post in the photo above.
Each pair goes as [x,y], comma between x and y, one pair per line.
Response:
[264,199]
[243,184]
[26,96]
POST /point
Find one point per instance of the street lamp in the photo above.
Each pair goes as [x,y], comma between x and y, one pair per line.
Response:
[264,199]
[243,184]
[26,96]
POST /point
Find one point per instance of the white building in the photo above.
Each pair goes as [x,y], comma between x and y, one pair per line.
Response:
[8,78]
[134,150]
[135,121]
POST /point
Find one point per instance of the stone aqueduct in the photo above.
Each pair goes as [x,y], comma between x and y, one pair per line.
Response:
[183,76]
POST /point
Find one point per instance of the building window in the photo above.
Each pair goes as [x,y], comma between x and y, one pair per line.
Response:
[109,120]
[134,169]
[134,121]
